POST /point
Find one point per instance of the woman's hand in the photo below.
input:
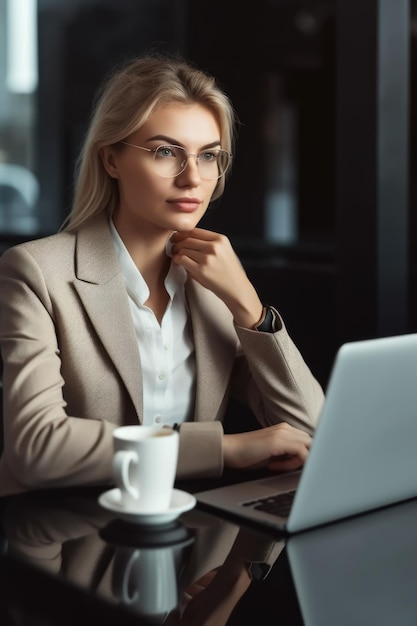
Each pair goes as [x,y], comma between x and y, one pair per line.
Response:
[209,259]
[280,448]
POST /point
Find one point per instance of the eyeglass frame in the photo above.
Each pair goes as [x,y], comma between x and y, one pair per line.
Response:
[187,154]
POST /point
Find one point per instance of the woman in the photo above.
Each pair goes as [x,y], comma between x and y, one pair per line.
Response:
[134,314]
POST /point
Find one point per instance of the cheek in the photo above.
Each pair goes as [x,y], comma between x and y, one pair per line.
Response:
[134,180]
[211,191]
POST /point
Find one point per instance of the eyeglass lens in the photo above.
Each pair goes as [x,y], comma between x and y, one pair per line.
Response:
[172,161]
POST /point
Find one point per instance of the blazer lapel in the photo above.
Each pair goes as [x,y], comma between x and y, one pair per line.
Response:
[215,349]
[102,290]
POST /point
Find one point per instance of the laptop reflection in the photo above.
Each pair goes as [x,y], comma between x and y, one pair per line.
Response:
[359,572]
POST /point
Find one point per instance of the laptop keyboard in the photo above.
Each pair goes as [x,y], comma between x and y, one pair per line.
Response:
[279,504]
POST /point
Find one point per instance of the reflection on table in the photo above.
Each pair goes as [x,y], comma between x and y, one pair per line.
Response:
[66,558]
[360,572]
[196,570]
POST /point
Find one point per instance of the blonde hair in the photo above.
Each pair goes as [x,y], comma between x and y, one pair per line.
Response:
[123,104]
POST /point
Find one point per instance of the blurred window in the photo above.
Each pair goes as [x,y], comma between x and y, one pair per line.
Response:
[19,186]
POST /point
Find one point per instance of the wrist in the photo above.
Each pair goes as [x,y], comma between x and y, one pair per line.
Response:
[261,319]
[246,315]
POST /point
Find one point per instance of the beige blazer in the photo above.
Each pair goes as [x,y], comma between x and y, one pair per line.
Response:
[72,369]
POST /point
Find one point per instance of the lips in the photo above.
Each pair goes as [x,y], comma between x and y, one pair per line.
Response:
[186,205]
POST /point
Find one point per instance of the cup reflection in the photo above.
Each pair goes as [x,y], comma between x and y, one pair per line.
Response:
[148,563]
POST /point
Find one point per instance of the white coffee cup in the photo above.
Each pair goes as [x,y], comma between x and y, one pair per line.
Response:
[144,466]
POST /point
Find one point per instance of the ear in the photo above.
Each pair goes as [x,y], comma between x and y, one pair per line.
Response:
[109,159]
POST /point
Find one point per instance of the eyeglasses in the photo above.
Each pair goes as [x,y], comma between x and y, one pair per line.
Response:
[171,161]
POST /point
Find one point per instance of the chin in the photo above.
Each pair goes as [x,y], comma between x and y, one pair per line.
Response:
[187,222]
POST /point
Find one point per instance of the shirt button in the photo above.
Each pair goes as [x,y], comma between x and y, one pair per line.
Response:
[161,376]
[158,419]
[166,346]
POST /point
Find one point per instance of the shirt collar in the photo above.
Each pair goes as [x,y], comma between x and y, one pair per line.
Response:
[136,285]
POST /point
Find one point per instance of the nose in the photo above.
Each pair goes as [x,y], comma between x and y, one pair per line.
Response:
[191,174]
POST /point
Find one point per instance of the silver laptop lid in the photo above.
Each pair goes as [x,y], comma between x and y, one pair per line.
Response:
[363,455]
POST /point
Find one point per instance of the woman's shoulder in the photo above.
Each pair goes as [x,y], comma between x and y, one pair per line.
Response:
[51,252]
[39,245]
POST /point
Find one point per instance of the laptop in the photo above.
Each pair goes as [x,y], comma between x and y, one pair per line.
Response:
[363,454]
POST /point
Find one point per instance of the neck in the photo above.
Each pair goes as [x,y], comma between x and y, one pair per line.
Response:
[148,251]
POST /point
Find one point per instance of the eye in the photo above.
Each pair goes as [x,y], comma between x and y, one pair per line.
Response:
[165,152]
[208,156]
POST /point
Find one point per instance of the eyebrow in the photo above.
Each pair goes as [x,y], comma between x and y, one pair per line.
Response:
[174,142]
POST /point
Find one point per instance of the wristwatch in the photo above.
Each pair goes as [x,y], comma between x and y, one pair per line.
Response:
[258,571]
[267,323]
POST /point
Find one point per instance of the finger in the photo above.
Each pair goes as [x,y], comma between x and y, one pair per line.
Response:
[198,233]
[190,259]
[192,245]
[215,246]
[288,464]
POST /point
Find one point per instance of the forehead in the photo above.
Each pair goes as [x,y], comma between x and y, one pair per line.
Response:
[189,124]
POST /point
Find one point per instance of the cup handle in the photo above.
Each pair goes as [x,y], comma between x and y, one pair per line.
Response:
[121,464]
[128,596]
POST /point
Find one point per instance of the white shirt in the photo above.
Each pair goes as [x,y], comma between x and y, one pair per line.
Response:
[166,350]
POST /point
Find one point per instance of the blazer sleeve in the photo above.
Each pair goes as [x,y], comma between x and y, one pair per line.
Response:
[270,376]
[273,379]
[43,446]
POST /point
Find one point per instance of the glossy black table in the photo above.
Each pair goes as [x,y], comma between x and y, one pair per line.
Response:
[66,560]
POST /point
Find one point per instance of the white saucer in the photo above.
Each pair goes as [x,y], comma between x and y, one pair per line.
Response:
[181,501]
